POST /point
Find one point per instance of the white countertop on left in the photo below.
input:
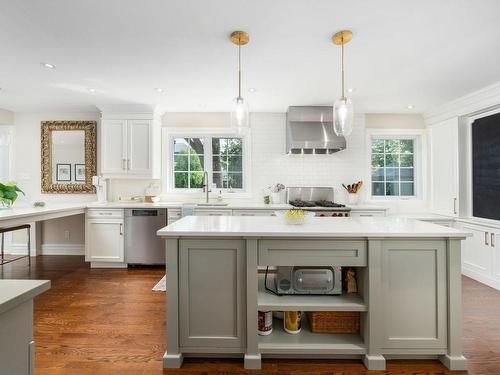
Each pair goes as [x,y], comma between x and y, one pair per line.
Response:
[20,212]
[314,227]
[15,292]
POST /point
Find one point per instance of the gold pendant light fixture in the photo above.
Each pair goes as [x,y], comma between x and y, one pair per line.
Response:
[240,115]
[343,111]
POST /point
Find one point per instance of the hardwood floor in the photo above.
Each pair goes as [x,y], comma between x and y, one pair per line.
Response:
[110,322]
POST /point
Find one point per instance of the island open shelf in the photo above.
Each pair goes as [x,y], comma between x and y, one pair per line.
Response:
[306,342]
[268,301]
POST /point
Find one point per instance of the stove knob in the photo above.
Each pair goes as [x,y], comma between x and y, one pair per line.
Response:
[322,215]
[334,214]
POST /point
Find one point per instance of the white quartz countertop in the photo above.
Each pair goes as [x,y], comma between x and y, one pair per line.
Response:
[229,206]
[16,212]
[15,292]
[269,226]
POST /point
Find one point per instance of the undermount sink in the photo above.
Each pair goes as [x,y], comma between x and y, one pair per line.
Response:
[212,204]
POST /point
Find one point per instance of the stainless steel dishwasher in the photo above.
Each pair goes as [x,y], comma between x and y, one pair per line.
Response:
[142,245]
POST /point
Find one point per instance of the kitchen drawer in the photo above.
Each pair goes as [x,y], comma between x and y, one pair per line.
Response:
[115,213]
[312,253]
[355,213]
[253,213]
[210,212]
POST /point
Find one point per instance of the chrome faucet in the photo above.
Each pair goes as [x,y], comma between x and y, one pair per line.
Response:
[205,185]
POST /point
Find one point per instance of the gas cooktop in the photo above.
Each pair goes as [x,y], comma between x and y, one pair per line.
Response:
[320,203]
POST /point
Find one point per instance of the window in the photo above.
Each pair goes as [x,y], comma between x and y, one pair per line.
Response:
[188,163]
[393,167]
[220,157]
[227,157]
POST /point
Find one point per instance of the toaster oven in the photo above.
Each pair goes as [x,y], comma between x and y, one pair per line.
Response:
[308,280]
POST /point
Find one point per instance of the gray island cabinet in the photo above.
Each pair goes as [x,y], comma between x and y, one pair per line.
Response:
[409,288]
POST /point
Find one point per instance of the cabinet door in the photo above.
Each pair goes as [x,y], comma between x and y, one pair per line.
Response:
[495,248]
[212,294]
[114,147]
[476,250]
[444,167]
[414,294]
[104,240]
[139,147]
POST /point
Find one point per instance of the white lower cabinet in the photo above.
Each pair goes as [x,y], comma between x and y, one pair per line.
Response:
[481,254]
[104,238]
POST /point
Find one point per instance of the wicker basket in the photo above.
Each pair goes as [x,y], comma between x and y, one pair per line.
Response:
[333,321]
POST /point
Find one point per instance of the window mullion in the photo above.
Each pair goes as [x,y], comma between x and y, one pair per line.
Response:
[208,162]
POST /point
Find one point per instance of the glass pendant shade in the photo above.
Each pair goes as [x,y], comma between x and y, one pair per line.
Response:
[240,115]
[343,116]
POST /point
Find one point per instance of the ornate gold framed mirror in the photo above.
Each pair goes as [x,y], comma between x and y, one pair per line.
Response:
[68,156]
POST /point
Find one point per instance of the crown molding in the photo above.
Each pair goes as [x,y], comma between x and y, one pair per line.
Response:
[476,102]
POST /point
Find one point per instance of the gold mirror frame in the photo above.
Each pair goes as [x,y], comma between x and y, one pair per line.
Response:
[89,127]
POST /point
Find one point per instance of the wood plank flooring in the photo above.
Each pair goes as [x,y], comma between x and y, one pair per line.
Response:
[110,322]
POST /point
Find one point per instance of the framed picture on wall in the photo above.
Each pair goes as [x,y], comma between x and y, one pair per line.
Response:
[63,172]
[79,172]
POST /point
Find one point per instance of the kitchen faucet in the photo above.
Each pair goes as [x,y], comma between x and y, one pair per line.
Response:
[205,184]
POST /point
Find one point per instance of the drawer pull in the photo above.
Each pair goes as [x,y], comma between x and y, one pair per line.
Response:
[486,238]
[105,213]
[492,239]
[121,229]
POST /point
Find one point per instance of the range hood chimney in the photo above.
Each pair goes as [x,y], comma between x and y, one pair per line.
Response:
[309,130]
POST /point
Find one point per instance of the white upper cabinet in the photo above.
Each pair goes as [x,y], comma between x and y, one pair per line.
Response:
[114,146]
[444,167]
[139,144]
[130,147]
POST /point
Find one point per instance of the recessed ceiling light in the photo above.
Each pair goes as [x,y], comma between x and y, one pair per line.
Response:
[47,65]
[91,90]
[410,106]
[252,89]
[159,90]
[351,90]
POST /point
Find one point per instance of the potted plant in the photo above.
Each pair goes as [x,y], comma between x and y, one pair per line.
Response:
[8,193]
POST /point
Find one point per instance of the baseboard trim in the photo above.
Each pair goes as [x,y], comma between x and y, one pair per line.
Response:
[484,279]
[63,249]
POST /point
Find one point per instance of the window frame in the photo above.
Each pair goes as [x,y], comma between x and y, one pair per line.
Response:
[207,135]
[419,157]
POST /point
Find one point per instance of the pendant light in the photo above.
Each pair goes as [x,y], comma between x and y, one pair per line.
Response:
[343,111]
[240,117]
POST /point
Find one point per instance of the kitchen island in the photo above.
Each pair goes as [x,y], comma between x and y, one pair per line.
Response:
[409,288]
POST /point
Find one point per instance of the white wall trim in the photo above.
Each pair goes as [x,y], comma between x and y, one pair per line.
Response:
[49,249]
[485,99]
[484,279]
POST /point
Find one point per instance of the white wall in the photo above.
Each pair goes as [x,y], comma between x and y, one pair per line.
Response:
[271,164]
[27,172]
[6,117]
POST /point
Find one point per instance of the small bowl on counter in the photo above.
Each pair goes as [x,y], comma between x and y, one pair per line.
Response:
[294,216]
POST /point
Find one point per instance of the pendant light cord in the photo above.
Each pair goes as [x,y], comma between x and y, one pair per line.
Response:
[342,57]
[239,68]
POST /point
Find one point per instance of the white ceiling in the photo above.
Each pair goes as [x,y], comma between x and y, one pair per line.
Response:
[422,52]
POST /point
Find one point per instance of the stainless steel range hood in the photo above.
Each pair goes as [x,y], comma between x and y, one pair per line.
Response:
[309,130]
